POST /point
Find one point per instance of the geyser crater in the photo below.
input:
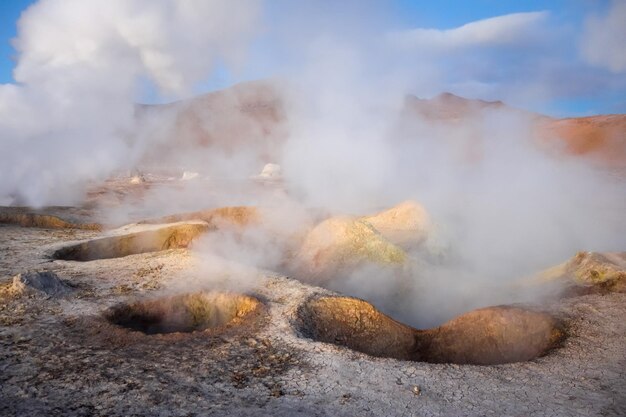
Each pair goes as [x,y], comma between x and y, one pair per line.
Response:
[151,239]
[486,336]
[185,313]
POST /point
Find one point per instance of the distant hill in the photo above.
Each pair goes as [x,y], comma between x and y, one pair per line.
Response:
[449,107]
[602,137]
[252,116]
[246,116]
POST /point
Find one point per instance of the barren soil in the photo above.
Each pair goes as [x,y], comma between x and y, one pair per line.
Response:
[59,355]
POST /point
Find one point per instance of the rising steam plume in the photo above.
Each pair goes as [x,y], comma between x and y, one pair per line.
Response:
[80,70]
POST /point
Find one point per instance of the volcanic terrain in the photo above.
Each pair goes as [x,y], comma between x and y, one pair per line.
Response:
[125,306]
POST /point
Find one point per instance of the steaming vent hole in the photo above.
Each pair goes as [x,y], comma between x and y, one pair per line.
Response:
[184,313]
[168,237]
[487,336]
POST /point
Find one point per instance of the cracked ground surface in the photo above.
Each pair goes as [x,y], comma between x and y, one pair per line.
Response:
[59,355]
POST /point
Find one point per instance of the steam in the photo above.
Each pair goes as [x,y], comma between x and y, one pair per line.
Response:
[603,41]
[504,207]
[81,67]
[348,142]
[503,210]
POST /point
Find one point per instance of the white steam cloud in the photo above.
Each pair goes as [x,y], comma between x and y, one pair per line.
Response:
[81,66]
[604,39]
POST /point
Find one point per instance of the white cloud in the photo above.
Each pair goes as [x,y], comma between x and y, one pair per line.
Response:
[604,39]
[510,29]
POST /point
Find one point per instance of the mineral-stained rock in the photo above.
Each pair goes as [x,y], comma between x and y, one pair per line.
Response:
[341,243]
[237,216]
[608,269]
[405,225]
[42,282]
[270,172]
[588,272]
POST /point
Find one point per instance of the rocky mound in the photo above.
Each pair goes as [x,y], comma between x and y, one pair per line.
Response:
[270,172]
[342,243]
[38,283]
[405,225]
[587,273]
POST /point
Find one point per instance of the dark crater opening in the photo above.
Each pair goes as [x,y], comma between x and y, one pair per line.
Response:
[184,313]
[487,336]
[167,237]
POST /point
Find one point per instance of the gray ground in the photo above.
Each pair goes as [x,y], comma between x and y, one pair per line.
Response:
[59,356]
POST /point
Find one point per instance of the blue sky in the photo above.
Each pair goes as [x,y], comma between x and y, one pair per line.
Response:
[450,13]
[10,11]
[551,64]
